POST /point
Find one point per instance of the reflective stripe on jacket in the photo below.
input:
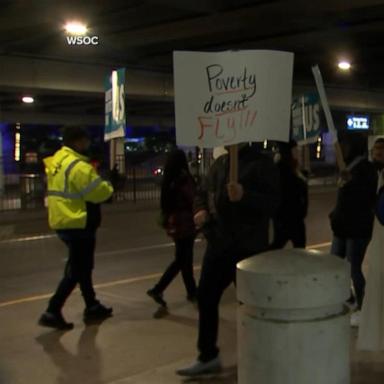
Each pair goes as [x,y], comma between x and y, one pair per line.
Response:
[72,181]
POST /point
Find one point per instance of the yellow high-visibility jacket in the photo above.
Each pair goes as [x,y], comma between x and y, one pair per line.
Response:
[72,181]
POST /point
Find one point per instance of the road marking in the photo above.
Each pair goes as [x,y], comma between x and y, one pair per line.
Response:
[28,238]
[131,280]
[25,300]
[97,286]
[105,253]
[140,249]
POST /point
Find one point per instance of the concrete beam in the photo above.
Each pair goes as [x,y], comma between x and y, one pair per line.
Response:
[30,73]
[349,99]
[245,18]
[37,74]
[68,119]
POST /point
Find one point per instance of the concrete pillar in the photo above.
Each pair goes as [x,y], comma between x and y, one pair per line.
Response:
[293,327]
[1,165]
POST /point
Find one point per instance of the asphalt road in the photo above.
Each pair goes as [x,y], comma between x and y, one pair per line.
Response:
[130,245]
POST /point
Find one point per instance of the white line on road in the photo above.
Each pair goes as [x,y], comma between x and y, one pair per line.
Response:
[131,280]
[28,238]
[139,249]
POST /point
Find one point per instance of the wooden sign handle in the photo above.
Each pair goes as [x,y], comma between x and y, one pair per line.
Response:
[339,156]
[328,116]
[233,163]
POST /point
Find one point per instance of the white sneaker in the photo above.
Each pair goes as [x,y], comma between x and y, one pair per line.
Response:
[201,368]
[355,319]
[352,306]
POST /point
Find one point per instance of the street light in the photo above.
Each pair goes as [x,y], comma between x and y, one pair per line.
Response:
[344,65]
[28,99]
[76,28]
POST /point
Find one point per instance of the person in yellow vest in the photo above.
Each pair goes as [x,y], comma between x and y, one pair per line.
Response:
[74,187]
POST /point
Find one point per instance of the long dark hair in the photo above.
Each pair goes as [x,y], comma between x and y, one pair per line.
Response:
[353,144]
[176,166]
[286,160]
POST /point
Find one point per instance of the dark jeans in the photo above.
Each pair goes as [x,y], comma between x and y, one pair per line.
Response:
[354,251]
[183,262]
[78,270]
[284,232]
[217,273]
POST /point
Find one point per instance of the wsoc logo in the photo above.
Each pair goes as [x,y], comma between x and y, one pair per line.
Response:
[83,40]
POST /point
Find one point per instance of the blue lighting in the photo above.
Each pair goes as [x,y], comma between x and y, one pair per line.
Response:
[358,122]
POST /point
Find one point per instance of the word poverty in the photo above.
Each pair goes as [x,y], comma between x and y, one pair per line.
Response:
[226,112]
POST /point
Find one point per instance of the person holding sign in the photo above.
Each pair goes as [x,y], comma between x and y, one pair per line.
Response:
[234,217]
[353,215]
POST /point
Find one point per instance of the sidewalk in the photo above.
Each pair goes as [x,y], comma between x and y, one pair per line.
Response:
[132,347]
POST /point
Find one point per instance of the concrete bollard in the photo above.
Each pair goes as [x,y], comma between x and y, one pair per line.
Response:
[293,326]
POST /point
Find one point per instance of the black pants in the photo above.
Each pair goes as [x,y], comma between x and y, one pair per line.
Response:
[183,262]
[217,273]
[354,251]
[284,232]
[78,270]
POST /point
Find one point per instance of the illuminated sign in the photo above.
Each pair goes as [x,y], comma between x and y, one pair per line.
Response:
[306,119]
[358,122]
[115,105]
[17,143]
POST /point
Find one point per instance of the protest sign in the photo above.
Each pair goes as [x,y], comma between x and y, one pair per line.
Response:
[226,98]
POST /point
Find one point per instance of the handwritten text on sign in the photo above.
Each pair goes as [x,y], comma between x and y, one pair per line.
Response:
[225,98]
[226,111]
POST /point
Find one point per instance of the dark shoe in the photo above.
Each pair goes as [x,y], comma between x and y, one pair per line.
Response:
[158,297]
[52,320]
[97,312]
[192,298]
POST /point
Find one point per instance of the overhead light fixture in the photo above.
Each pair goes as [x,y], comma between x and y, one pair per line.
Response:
[344,65]
[28,99]
[76,28]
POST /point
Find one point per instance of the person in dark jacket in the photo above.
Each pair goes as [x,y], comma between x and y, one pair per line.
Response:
[177,196]
[289,221]
[378,154]
[235,220]
[352,218]
[378,162]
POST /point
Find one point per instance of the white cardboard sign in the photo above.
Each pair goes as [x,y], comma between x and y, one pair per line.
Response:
[230,97]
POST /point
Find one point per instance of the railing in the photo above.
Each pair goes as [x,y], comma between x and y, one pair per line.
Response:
[20,189]
[137,185]
[23,189]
